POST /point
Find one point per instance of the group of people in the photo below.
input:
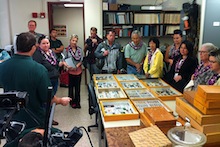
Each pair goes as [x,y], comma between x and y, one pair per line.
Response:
[178,66]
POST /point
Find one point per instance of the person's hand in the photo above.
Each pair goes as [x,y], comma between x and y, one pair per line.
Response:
[192,77]
[105,53]
[94,41]
[138,67]
[147,75]
[177,78]
[65,101]
[170,62]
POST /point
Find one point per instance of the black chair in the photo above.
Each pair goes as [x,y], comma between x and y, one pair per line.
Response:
[93,105]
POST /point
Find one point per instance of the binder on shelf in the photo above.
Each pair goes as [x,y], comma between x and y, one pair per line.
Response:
[120,18]
[146,30]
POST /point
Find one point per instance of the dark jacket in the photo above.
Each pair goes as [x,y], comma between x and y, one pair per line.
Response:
[53,71]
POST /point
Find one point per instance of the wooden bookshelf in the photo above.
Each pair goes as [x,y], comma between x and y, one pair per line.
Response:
[150,23]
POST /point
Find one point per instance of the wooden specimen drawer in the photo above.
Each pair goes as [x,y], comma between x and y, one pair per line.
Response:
[139,94]
[155,83]
[166,93]
[113,110]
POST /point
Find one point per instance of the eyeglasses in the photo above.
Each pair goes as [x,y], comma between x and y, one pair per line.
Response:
[212,61]
[203,52]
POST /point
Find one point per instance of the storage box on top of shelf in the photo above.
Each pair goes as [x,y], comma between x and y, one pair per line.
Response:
[131,84]
[155,83]
[105,77]
[124,7]
[135,7]
[106,84]
[125,77]
[166,93]
[191,111]
[110,93]
[139,94]
[209,92]
[113,6]
[113,110]
[147,103]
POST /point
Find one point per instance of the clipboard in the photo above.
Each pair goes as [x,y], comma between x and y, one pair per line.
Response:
[69,62]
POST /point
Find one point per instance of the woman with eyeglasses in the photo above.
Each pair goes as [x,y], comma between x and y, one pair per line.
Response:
[183,67]
[214,61]
[203,72]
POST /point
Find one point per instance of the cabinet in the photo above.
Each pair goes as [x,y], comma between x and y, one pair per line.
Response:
[148,22]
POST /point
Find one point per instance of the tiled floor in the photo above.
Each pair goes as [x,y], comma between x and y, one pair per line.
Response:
[69,117]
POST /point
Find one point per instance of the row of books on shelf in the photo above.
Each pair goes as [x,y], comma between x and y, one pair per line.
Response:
[171,18]
[118,18]
[153,18]
[140,18]
[145,30]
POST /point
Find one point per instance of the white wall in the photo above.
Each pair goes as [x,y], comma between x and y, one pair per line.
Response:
[14,20]
[5,27]
[73,19]
[93,16]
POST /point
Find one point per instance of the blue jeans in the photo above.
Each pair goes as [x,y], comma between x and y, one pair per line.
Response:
[132,70]
[93,69]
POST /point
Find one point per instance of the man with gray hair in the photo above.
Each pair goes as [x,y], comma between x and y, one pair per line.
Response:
[135,52]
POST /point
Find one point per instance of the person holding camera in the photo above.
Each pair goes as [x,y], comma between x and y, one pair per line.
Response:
[91,44]
[22,73]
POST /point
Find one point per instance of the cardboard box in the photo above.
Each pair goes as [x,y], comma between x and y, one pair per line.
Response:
[114,110]
[195,113]
[113,6]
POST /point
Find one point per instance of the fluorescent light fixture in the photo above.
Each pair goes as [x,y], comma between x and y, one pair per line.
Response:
[151,7]
[73,5]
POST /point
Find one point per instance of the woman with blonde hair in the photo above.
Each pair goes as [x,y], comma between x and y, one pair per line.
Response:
[73,63]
